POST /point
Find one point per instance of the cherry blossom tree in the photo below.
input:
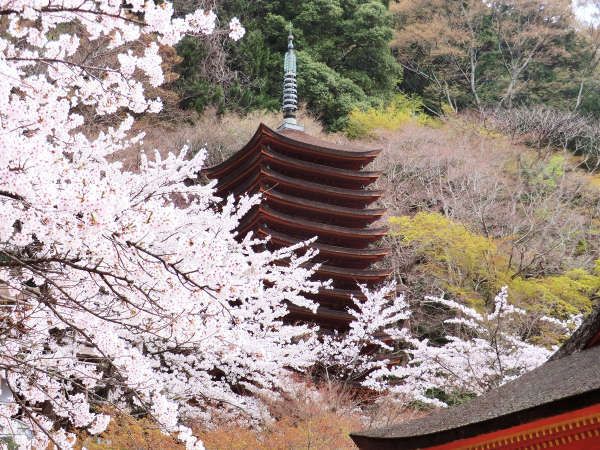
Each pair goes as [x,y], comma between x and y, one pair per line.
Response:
[481,352]
[486,351]
[377,326]
[121,287]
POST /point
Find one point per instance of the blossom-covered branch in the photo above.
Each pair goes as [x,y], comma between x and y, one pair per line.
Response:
[110,292]
[485,351]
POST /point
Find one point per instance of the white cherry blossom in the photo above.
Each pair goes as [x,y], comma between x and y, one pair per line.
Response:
[111,292]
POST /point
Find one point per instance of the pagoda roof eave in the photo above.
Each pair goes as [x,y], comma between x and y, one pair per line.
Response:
[353,274]
[366,215]
[346,294]
[250,187]
[369,253]
[357,194]
[380,231]
[304,224]
[228,181]
[266,135]
[301,138]
[216,171]
[310,167]
[322,314]
[343,294]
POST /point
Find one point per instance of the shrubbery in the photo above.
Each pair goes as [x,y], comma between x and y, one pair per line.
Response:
[402,110]
[472,268]
[546,127]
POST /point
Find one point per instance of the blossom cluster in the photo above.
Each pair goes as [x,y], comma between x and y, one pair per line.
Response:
[377,323]
[237,30]
[486,351]
[111,292]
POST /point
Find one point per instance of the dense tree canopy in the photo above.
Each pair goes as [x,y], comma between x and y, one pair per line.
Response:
[360,53]
[496,54]
[345,58]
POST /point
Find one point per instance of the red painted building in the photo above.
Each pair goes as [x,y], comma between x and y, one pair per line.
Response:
[311,187]
[554,406]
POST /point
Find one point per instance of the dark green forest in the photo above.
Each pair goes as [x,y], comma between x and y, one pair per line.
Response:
[344,58]
[450,55]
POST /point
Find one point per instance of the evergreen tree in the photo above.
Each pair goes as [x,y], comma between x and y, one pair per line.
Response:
[343,49]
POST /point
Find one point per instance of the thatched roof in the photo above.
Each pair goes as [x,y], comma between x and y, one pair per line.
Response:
[582,338]
[558,386]
[569,380]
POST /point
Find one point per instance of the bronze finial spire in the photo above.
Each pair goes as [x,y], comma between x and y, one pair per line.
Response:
[290,88]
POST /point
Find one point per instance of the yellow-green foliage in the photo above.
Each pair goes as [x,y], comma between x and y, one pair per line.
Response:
[473,268]
[447,110]
[565,294]
[402,110]
[553,171]
[488,132]
[466,263]
[545,175]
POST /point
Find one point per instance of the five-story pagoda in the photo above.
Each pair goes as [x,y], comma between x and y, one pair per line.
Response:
[311,187]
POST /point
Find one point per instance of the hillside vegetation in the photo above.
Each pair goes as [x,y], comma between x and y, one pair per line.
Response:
[134,315]
[361,53]
[472,210]
[504,196]
[485,209]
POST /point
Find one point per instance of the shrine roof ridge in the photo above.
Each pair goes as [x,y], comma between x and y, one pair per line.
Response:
[559,385]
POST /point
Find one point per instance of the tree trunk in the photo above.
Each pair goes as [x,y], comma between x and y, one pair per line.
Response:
[473,86]
[447,91]
[579,95]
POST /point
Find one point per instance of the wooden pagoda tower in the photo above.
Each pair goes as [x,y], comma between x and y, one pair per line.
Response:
[311,187]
